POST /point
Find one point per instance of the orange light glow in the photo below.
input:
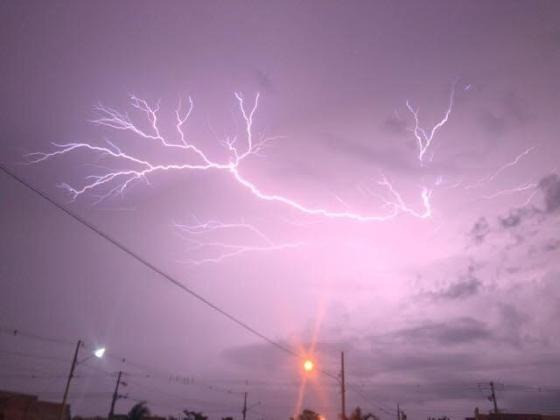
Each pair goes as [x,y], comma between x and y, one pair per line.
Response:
[308,365]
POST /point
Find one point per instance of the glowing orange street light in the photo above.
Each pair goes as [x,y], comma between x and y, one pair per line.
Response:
[308,365]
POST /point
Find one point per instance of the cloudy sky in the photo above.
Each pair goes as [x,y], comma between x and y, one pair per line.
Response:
[328,216]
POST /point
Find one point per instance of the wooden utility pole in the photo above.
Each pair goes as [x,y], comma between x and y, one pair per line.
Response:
[342,386]
[70,376]
[115,396]
[398,412]
[493,397]
[244,406]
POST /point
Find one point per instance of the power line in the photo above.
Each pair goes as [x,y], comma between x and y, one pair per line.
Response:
[32,356]
[47,376]
[19,333]
[529,388]
[510,387]
[151,372]
[153,268]
[166,276]
[50,358]
[173,396]
[185,380]
[55,393]
[149,265]
[370,401]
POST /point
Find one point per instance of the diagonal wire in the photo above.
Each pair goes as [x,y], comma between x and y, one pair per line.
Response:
[160,272]
[149,265]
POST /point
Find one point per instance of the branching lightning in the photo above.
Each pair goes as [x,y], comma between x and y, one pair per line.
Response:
[116,181]
[424,137]
[196,236]
[497,172]
[520,188]
[132,167]
[531,186]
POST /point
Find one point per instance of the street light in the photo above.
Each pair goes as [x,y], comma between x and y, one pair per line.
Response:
[97,353]
[308,367]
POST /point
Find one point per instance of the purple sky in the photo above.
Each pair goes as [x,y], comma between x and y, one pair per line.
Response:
[425,308]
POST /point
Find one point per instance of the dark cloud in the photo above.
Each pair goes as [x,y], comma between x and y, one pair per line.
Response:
[428,349]
[466,286]
[480,230]
[453,332]
[549,245]
[421,360]
[440,360]
[550,186]
[461,289]
[526,226]
[530,399]
[421,393]
[515,217]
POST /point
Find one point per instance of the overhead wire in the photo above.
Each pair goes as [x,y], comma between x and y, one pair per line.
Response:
[32,355]
[19,333]
[508,387]
[51,358]
[161,273]
[150,372]
[511,387]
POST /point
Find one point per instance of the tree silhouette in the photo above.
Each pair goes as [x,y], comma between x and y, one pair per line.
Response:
[138,411]
[358,415]
[194,415]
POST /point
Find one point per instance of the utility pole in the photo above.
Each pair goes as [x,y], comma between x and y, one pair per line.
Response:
[398,412]
[493,397]
[244,406]
[70,376]
[342,386]
[115,396]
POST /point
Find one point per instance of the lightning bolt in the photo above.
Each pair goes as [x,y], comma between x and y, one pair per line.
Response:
[521,188]
[223,250]
[195,159]
[497,172]
[424,137]
[205,240]
[524,187]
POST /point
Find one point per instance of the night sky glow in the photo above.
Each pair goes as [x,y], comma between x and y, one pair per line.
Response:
[379,178]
